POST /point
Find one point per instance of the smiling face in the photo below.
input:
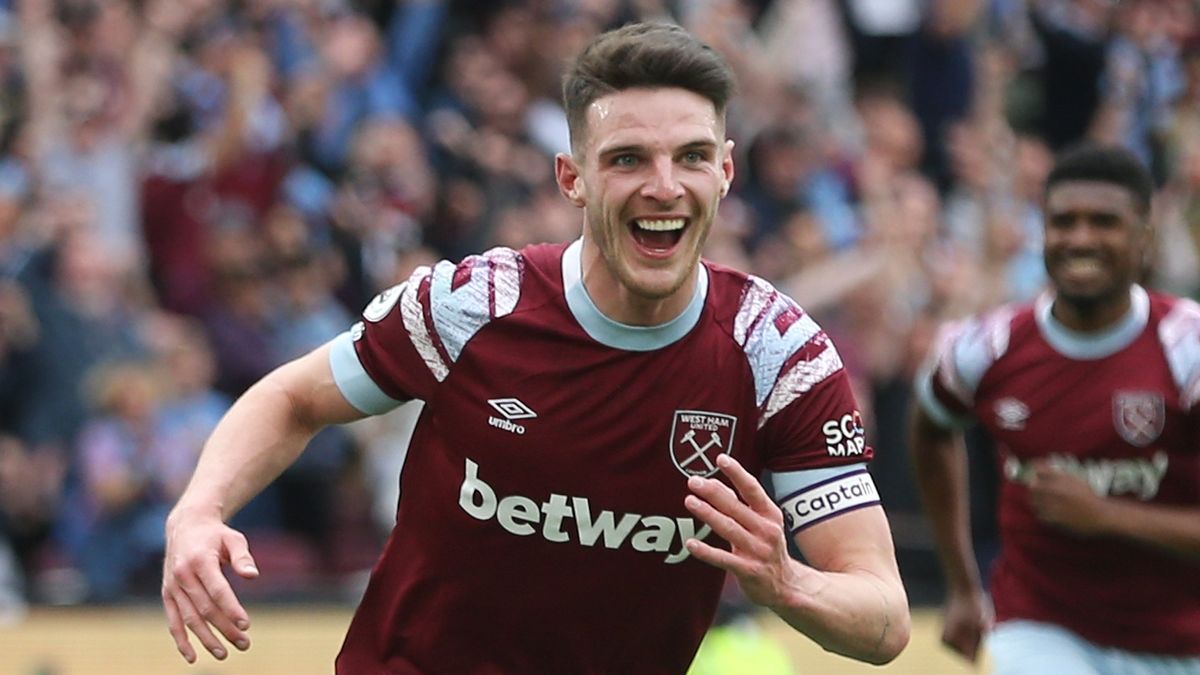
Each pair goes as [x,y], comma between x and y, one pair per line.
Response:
[649,174]
[1094,243]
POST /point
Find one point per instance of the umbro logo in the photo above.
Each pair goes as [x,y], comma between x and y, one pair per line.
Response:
[1011,414]
[511,409]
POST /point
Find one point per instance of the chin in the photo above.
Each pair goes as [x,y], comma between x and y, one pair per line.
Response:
[657,288]
[1089,299]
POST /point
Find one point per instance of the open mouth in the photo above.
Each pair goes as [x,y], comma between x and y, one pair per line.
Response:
[1081,267]
[658,235]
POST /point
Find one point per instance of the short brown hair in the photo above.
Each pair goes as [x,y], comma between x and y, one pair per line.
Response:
[643,55]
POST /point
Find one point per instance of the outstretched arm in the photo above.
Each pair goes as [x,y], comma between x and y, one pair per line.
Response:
[850,601]
[263,433]
[940,465]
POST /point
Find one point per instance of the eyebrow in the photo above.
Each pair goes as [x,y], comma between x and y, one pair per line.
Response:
[1089,213]
[622,149]
[700,144]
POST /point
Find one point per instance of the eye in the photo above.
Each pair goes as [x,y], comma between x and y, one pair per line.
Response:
[625,160]
[1061,221]
[694,157]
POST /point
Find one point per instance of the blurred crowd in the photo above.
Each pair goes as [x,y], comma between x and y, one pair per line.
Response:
[195,191]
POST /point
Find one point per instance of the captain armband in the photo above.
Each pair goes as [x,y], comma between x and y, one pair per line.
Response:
[827,499]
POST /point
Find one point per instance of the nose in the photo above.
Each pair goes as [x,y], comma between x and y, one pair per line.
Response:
[1080,234]
[662,184]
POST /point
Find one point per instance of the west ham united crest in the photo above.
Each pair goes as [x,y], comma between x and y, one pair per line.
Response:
[697,437]
[1139,416]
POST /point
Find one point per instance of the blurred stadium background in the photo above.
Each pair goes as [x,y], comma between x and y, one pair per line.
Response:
[194,191]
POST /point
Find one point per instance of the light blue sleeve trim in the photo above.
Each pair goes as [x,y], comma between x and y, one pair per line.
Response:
[929,403]
[354,382]
[784,484]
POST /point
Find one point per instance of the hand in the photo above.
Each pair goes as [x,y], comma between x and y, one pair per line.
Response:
[753,526]
[1063,499]
[195,592]
[966,618]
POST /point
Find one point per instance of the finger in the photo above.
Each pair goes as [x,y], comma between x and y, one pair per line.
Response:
[717,557]
[959,644]
[1045,475]
[221,608]
[966,642]
[726,527]
[972,645]
[970,648]
[196,623]
[208,594]
[239,555]
[725,500]
[218,586]
[1040,475]
[747,485]
[176,629]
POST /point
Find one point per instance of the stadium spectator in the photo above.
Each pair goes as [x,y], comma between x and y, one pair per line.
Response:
[1143,77]
[785,173]
[90,311]
[239,321]
[1177,265]
[31,486]
[1074,37]
[132,471]
[1088,393]
[191,406]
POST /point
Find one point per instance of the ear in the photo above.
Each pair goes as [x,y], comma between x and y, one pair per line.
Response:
[570,183]
[727,168]
[1149,241]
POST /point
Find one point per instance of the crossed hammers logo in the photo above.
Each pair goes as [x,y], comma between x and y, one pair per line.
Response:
[690,437]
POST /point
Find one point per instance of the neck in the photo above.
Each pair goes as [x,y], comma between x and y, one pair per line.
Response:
[1091,314]
[618,303]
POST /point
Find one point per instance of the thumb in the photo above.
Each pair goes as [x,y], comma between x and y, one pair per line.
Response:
[239,555]
[971,647]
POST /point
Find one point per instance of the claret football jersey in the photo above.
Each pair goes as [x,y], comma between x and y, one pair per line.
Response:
[1119,410]
[541,523]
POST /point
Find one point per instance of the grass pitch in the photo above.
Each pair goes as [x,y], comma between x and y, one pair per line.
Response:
[302,640]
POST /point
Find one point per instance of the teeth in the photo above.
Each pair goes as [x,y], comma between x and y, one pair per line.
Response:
[660,225]
[1082,265]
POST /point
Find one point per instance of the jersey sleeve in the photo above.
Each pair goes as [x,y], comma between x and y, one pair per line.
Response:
[1179,333]
[807,415]
[963,352]
[411,335]
[819,423]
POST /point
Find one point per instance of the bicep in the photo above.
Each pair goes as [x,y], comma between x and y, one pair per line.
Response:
[835,518]
[856,540]
[313,391]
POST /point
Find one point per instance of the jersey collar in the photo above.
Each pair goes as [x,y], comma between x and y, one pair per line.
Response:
[618,335]
[1090,346]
